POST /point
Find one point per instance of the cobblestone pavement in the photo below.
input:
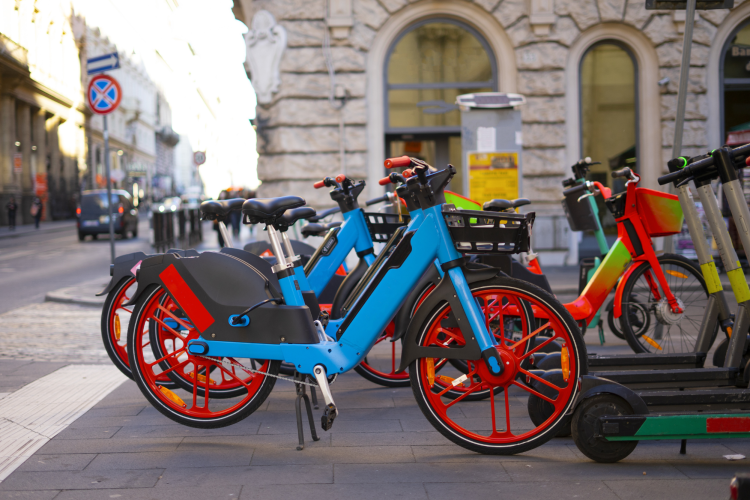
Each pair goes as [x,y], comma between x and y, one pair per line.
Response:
[52,332]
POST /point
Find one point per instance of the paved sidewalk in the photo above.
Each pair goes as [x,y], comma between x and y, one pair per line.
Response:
[44,227]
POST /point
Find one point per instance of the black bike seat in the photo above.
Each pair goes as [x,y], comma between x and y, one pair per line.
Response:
[500,205]
[317,229]
[290,217]
[213,209]
[268,209]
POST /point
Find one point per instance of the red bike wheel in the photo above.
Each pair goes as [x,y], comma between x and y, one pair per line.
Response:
[478,426]
[169,331]
[196,405]
[381,363]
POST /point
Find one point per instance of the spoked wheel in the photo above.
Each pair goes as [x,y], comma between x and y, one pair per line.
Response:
[647,320]
[499,427]
[196,404]
[115,320]
[170,331]
[380,364]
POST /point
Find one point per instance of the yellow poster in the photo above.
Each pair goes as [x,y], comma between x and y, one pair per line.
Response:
[492,176]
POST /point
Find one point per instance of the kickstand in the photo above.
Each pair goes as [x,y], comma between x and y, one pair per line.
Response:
[302,395]
[314,397]
[683,447]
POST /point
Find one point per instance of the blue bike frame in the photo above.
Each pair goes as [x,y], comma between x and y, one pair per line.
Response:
[352,234]
[430,240]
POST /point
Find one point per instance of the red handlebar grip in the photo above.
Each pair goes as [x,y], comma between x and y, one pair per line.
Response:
[340,178]
[384,181]
[401,161]
[319,184]
[747,161]
[407,173]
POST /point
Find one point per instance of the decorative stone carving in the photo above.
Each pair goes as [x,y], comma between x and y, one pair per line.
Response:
[265,43]
[340,18]
[542,16]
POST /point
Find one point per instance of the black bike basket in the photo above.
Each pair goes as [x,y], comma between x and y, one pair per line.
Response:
[477,232]
[579,213]
[382,225]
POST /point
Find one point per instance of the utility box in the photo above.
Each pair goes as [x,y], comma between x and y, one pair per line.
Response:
[492,143]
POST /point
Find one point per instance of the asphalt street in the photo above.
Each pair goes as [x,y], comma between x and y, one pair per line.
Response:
[33,264]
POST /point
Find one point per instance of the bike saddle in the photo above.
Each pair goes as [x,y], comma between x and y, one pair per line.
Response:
[267,210]
[219,209]
[289,218]
[501,205]
[317,229]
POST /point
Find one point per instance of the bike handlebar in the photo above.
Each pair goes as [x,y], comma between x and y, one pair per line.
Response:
[624,172]
[340,178]
[379,199]
[320,184]
[688,170]
[576,189]
[401,161]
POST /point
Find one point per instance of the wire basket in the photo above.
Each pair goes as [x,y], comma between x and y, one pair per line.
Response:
[383,225]
[476,232]
[580,214]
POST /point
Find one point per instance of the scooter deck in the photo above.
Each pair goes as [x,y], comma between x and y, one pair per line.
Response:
[676,426]
[697,400]
[646,361]
[672,379]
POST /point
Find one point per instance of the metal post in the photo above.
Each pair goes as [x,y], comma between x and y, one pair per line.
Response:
[109,193]
[679,124]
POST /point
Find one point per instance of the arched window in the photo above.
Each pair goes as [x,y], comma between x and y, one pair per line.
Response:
[735,73]
[609,109]
[427,66]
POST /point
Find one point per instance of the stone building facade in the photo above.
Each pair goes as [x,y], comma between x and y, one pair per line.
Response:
[42,110]
[586,68]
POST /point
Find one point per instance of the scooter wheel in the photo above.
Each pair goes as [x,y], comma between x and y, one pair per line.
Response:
[503,428]
[585,432]
[195,406]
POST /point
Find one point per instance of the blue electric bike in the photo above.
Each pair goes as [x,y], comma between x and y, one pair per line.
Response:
[463,318]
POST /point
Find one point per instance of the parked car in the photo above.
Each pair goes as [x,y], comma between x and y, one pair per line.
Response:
[93,214]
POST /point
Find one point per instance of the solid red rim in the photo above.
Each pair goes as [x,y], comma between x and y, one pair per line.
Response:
[192,407]
[167,335]
[392,375]
[117,305]
[514,353]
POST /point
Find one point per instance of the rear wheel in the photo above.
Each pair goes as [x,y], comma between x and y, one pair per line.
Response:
[115,320]
[487,427]
[586,433]
[81,236]
[380,364]
[647,320]
[198,405]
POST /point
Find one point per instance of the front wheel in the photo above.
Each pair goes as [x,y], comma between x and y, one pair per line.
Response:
[586,433]
[484,426]
[647,320]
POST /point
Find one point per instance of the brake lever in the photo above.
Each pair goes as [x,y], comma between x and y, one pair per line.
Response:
[683,182]
[585,196]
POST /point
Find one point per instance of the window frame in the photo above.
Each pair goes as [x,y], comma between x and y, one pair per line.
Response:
[732,83]
[636,86]
[492,83]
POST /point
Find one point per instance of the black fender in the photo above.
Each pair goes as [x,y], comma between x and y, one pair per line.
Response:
[522,273]
[125,266]
[346,287]
[214,286]
[443,292]
[592,386]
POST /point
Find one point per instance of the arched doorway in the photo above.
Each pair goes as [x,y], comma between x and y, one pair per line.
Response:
[426,67]
[609,113]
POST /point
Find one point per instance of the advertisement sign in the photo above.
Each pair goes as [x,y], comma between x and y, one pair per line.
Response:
[493,175]
[17,163]
[40,185]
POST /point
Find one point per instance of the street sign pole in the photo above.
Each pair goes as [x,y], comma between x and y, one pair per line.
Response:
[679,123]
[109,192]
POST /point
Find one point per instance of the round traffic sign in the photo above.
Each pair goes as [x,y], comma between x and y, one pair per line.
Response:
[104,94]
[199,157]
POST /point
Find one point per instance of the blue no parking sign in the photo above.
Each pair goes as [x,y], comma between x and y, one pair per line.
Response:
[103,94]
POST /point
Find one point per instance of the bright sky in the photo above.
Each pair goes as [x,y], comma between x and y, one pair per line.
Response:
[215,36]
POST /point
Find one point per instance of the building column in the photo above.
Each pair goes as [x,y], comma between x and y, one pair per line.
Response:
[39,157]
[7,140]
[53,174]
[24,135]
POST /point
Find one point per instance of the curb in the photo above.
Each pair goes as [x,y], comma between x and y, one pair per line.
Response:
[58,296]
[46,230]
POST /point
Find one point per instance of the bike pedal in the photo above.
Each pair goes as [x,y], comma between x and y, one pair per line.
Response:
[329,415]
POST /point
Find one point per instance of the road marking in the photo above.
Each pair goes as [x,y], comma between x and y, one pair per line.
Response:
[31,416]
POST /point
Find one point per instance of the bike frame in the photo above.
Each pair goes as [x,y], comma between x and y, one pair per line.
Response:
[352,234]
[426,240]
[634,245]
